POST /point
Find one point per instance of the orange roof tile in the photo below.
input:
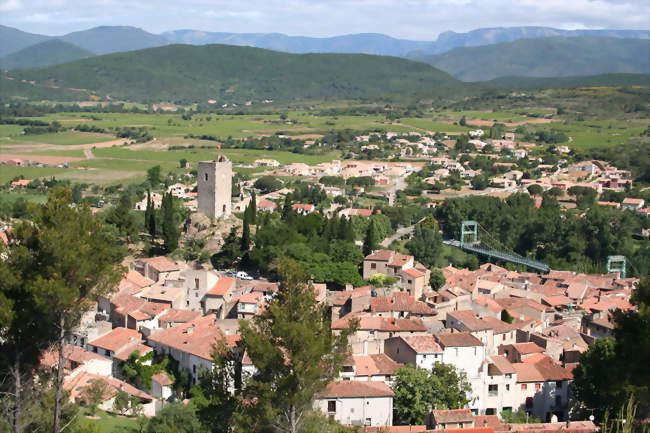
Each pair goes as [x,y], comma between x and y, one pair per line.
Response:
[354,389]
[457,339]
[222,287]
[117,339]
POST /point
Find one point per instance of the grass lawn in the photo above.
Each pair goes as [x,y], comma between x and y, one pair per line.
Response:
[13,196]
[432,125]
[111,423]
[67,137]
[7,172]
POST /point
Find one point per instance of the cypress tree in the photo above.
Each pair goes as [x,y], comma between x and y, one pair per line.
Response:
[253,206]
[170,223]
[371,241]
[246,234]
[150,217]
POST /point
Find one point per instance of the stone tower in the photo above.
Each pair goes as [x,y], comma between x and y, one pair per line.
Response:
[215,187]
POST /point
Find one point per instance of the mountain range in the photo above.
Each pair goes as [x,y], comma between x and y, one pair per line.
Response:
[546,57]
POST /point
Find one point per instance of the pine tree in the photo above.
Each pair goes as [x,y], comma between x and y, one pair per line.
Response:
[295,354]
[371,241]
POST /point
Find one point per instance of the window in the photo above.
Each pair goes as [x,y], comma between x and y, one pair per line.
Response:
[194,368]
[205,176]
[373,265]
[558,400]
[558,384]
[368,421]
[529,402]
[196,283]
[490,411]
[460,425]
[493,390]
[538,386]
[409,281]
[224,208]
[331,406]
[524,387]
[507,387]
[508,376]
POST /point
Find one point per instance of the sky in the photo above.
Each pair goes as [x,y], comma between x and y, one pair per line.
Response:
[407,19]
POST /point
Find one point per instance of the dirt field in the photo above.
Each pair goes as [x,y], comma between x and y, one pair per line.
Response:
[480,122]
[52,160]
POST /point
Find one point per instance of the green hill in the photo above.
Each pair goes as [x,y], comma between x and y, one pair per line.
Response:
[113,39]
[13,40]
[605,80]
[546,57]
[51,52]
[186,73]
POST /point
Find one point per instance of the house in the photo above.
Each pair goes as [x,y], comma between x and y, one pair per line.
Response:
[76,384]
[172,296]
[450,419]
[266,205]
[218,299]
[421,351]
[75,358]
[543,389]
[174,317]
[357,403]
[500,383]
[191,343]
[155,268]
[373,331]
[350,212]
[519,352]
[377,367]
[400,305]
[118,345]
[633,203]
[249,304]
[303,209]
[161,386]
[413,277]
[266,163]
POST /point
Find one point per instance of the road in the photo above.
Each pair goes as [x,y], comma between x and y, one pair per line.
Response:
[398,234]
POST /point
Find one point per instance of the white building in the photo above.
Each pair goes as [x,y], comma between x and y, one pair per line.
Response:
[357,403]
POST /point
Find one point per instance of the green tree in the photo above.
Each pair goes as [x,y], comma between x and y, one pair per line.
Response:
[371,239]
[295,354]
[463,121]
[60,264]
[93,395]
[479,182]
[418,390]
[425,245]
[519,416]
[154,176]
[182,163]
[150,216]
[121,402]
[122,217]
[176,418]
[76,193]
[170,223]
[246,235]
[437,279]
[535,189]
[267,184]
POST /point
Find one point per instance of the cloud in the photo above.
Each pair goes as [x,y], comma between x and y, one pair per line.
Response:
[413,19]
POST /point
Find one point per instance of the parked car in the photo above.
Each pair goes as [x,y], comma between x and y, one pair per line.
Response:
[230,274]
[243,276]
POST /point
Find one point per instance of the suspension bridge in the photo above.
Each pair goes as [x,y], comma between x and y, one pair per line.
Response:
[488,246]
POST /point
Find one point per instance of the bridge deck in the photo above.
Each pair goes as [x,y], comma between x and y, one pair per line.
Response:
[500,255]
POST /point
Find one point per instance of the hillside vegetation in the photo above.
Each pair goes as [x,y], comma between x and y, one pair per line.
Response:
[546,57]
[47,53]
[196,73]
[12,40]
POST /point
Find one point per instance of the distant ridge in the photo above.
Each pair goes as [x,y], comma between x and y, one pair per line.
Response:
[186,73]
[13,40]
[46,53]
[604,80]
[548,57]
[114,39]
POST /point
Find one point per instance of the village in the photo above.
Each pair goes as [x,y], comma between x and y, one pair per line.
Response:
[516,335]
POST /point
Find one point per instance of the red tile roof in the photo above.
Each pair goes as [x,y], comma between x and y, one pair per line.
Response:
[372,365]
[422,343]
[251,297]
[196,337]
[541,372]
[222,287]
[117,339]
[401,301]
[457,339]
[160,264]
[179,316]
[452,416]
[382,324]
[414,273]
[355,389]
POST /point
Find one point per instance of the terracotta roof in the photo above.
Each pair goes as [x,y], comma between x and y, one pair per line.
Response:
[557,427]
[452,416]
[222,287]
[153,308]
[125,303]
[124,353]
[401,301]
[77,383]
[179,316]
[469,320]
[163,379]
[196,337]
[303,206]
[393,258]
[117,339]
[160,264]
[138,279]
[527,348]
[251,297]
[535,358]
[541,372]
[502,364]
[382,324]
[414,273]
[266,204]
[457,339]
[422,343]
[354,389]
[470,430]
[372,365]
[498,326]
[557,300]
[72,353]
[396,429]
